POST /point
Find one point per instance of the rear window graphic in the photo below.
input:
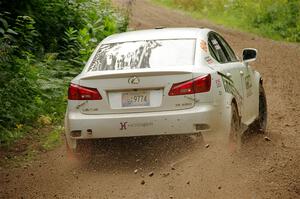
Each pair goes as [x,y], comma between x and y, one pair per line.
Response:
[144,54]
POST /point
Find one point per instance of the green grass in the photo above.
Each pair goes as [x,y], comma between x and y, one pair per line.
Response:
[53,139]
[30,145]
[226,20]
[279,20]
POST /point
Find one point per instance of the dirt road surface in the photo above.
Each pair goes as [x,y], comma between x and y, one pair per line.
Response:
[182,167]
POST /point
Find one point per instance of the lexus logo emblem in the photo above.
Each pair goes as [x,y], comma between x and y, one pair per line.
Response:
[133,80]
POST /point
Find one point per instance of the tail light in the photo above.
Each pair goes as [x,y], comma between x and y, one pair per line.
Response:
[77,92]
[198,85]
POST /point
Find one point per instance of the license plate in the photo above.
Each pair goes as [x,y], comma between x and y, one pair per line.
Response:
[136,98]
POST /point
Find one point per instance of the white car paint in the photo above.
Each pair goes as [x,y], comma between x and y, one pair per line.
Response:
[165,114]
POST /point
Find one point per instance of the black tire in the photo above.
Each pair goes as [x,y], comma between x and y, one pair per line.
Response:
[235,136]
[260,124]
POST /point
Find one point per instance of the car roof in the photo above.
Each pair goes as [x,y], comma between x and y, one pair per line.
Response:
[158,33]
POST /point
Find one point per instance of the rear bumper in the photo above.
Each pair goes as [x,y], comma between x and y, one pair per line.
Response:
[194,120]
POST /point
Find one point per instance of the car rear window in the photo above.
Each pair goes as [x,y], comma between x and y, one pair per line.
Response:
[144,54]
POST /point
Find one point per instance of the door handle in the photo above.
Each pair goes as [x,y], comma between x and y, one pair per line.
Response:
[228,75]
[242,73]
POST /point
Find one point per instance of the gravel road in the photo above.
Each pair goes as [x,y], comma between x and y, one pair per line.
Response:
[180,166]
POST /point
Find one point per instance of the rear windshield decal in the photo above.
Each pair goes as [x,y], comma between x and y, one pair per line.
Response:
[144,54]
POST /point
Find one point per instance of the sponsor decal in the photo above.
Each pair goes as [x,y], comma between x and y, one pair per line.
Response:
[191,98]
[216,44]
[184,104]
[142,124]
[85,108]
[248,85]
[203,45]
[82,104]
[248,82]
[126,125]
[218,83]
[209,60]
[123,125]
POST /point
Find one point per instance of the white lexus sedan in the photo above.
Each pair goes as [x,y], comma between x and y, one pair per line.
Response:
[164,81]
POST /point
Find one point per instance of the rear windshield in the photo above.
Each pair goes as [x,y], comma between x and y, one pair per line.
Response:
[144,54]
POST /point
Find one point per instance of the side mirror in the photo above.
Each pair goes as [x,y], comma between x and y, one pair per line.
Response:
[249,55]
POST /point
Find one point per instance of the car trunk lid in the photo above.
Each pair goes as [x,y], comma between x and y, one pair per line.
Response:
[132,91]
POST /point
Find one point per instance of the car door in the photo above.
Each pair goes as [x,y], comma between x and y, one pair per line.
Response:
[246,75]
[250,99]
[228,66]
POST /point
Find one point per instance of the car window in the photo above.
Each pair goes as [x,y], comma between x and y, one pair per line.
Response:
[213,52]
[227,49]
[144,54]
[217,49]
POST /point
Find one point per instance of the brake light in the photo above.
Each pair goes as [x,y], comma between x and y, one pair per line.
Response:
[198,85]
[77,92]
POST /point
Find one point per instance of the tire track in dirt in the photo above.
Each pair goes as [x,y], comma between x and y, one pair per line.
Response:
[182,166]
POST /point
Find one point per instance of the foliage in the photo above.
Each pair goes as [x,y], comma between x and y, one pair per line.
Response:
[53,139]
[7,40]
[278,19]
[17,76]
[78,44]
[27,34]
[43,45]
[51,17]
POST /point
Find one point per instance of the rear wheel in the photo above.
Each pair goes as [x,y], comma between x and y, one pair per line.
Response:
[260,124]
[235,137]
